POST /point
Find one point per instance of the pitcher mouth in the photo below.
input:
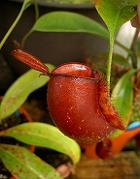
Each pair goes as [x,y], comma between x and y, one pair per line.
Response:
[78,70]
[93,79]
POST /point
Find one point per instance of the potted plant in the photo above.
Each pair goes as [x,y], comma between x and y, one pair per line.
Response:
[112,107]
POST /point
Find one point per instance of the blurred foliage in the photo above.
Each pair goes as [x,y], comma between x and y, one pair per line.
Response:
[70,1]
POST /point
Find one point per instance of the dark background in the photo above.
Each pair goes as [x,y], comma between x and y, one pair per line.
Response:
[55,48]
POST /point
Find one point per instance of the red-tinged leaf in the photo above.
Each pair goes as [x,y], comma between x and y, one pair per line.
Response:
[23,164]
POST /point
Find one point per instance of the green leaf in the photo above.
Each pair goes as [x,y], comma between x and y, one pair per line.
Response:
[20,90]
[122,95]
[69,22]
[45,135]
[115,13]
[122,98]
[25,165]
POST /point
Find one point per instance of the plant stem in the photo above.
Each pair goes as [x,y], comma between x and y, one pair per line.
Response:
[30,31]
[13,25]
[36,10]
[109,64]
[133,55]
[131,52]
[123,47]
[25,38]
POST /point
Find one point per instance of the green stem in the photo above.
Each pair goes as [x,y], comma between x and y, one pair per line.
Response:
[25,38]
[13,25]
[133,55]
[123,47]
[109,64]
[36,10]
[30,31]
